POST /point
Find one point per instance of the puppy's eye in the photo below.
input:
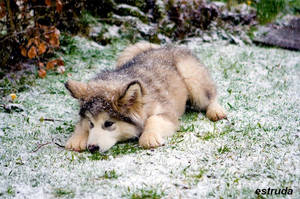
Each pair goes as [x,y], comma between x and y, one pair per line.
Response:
[91,125]
[108,124]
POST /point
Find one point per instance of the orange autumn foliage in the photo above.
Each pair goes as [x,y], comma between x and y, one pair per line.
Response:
[32,52]
[42,73]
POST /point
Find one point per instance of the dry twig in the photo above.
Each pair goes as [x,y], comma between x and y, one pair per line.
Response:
[40,146]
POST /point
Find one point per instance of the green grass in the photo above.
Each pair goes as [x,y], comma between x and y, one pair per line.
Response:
[117,150]
[10,191]
[223,149]
[192,177]
[146,194]
[63,193]
[267,10]
[215,133]
[199,175]
[187,126]
[109,175]
[17,84]
[256,147]
[124,148]
[98,156]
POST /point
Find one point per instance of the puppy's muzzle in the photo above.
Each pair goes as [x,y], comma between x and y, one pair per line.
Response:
[93,148]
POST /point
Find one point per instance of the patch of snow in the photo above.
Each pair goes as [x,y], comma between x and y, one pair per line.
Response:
[262,143]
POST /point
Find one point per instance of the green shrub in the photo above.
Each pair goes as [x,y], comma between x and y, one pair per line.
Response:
[267,10]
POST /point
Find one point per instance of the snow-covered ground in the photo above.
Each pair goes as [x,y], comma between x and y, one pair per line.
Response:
[258,147]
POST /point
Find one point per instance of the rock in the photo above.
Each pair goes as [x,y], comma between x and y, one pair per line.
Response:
[164,39]
[95,30]
[206,38]
[285,37]
[214,36]
[235,40]
[127,10]
[136,23]
[113,32]
[104,33]
[223,34]
[245,38]
[220,5]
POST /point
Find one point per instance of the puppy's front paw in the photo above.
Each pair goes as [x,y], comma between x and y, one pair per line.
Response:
[215,112]
[77,142]
[150,140]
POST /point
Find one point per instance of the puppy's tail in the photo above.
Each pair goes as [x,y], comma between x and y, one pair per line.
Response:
[131,51]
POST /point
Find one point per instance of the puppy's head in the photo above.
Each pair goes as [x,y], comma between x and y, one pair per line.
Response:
[113,113]
[105,131]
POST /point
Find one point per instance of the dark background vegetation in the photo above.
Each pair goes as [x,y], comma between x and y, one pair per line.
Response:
[31,30]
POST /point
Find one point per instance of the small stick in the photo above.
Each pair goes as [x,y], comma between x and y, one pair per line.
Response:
[40,146]
[62,146]
[51,120]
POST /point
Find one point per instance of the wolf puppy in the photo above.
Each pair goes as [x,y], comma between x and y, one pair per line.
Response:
[143,97]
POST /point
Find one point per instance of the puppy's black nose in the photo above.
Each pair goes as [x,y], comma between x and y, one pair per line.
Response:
[93,148]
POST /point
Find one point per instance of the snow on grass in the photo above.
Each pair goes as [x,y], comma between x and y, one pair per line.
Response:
[258,147]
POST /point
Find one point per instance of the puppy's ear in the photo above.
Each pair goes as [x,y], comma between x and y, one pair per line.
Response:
[131,98]
[77,89]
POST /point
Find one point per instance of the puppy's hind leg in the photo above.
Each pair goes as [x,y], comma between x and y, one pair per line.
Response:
[201,88]
[215,111]
[131,51]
